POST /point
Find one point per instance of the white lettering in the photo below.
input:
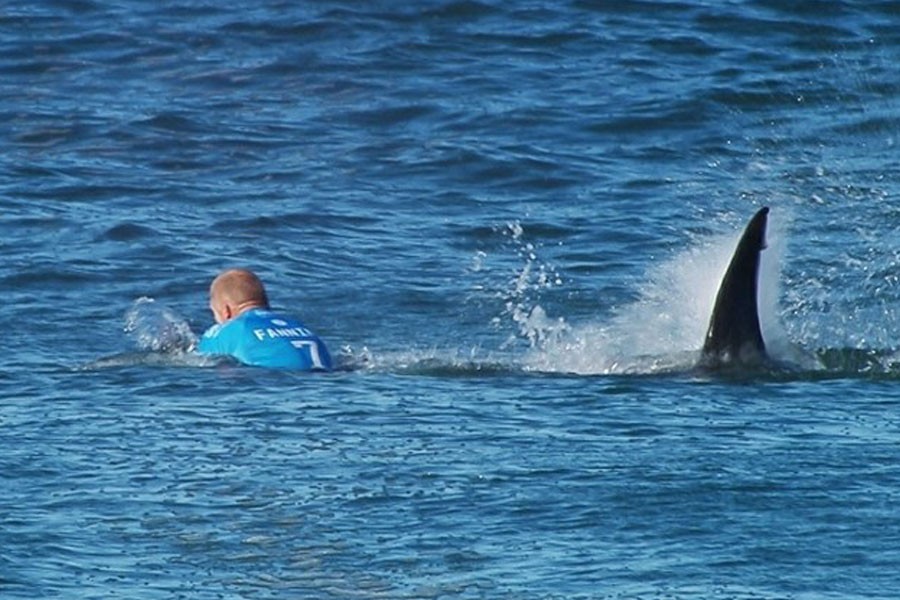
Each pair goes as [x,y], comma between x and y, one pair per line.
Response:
[283,332]
[312,349]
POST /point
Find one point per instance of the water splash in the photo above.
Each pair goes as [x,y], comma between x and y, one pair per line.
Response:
[526,285]
[663,330]
[162,339]
[157,328]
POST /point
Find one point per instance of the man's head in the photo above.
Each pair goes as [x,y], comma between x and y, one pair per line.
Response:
[234,292]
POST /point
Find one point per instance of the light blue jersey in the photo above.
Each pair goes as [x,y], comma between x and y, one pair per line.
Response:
[262,338]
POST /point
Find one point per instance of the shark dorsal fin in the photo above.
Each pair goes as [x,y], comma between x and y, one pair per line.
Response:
[734,335]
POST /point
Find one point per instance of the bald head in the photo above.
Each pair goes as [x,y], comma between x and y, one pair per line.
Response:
[234,292]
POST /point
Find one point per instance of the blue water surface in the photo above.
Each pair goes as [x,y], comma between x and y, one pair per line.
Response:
[508,221]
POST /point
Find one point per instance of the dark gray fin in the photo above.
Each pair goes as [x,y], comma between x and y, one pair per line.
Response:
[734,336]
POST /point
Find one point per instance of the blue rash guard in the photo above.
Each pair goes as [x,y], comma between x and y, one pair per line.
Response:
[262,338]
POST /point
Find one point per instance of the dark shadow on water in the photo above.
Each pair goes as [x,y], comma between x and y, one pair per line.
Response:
[150,358]
[834,364]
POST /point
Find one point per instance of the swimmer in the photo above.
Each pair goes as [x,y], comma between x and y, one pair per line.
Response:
[249,331]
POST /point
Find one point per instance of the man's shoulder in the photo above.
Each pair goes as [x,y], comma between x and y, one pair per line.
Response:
[271,318]
[213,331]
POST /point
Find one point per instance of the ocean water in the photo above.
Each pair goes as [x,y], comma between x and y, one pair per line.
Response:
[508,220]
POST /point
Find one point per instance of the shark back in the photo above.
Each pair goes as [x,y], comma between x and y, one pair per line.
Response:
[734,336]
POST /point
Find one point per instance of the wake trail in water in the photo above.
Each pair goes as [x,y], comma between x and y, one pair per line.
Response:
[661,332]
